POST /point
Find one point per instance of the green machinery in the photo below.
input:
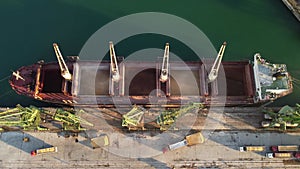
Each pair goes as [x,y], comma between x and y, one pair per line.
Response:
[70,120]
[29,118]
[134,119]
[167,118]
[286,116]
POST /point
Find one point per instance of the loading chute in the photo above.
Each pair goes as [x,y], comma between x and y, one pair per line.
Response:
[213,74]
[62,65]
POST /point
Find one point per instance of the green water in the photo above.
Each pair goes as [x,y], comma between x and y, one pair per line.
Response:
[29,27]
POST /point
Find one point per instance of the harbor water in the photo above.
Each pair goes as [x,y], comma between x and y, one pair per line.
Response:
[28,29]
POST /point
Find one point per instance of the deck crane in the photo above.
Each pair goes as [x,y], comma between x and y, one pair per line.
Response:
[213,74]
[165,65]
[62,65]
[113,63]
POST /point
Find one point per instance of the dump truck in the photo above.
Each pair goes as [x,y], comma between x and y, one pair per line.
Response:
[43,151]
[189,140]
[279,155]
[285,148]
[252,148]
[283,155]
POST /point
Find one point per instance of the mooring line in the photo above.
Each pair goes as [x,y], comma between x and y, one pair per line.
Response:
[4,78]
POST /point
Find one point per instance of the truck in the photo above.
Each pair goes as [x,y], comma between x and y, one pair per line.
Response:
[283,155]
[286,148]
[189,140]
[280,155]
[252,148]
[43,151]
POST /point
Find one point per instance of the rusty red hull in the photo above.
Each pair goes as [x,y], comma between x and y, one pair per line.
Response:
[139,84]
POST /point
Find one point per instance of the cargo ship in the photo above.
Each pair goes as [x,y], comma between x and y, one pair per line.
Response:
[117,81]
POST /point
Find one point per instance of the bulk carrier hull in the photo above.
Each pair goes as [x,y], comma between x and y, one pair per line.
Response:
[239,83]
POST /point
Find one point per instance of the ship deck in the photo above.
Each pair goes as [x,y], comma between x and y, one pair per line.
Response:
[139,84]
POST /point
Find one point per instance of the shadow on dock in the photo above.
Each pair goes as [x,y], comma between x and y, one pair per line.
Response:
[15,139]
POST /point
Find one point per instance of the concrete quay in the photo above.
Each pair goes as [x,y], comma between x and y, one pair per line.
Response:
[219,151]
[225,130]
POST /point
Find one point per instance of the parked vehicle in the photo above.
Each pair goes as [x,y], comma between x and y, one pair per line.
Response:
[43,151]
[286,148]
[279,155]
[189,140]
[252,148]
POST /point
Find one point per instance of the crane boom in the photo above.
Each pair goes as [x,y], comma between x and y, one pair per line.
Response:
[165,65]
[213,74]
[113,63]
[62,65]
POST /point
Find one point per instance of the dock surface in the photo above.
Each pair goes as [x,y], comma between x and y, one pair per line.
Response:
[223,133]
